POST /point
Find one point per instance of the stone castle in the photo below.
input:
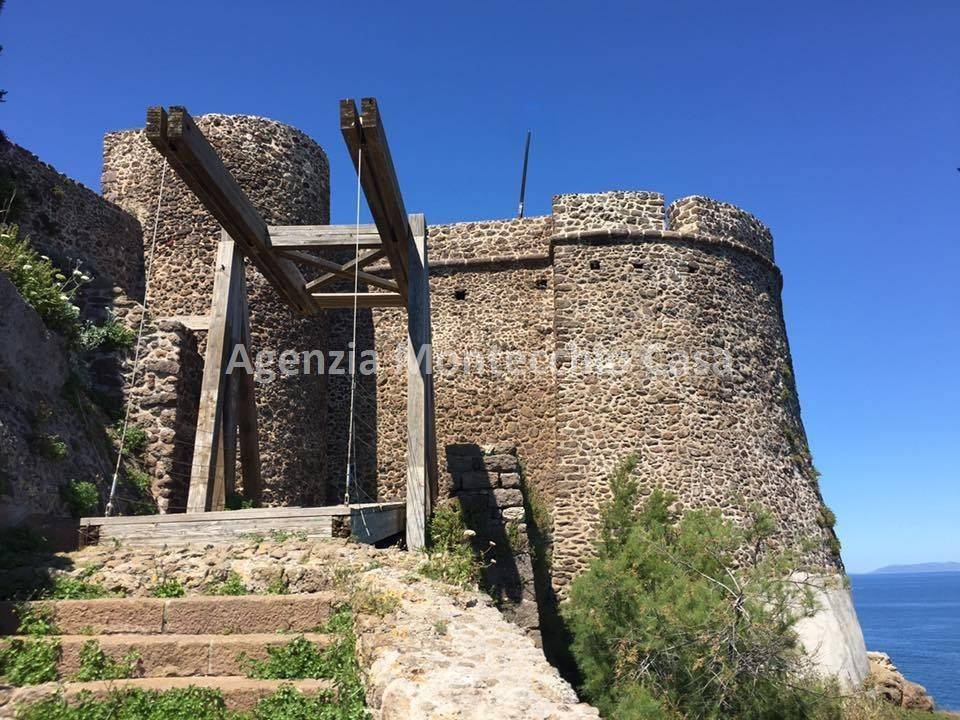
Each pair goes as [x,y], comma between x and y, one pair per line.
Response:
[689,292]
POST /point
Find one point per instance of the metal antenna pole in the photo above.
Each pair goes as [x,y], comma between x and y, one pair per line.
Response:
[523,178]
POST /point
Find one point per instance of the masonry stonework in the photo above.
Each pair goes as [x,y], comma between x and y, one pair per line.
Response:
[533,320]
[286,176]
[70,222]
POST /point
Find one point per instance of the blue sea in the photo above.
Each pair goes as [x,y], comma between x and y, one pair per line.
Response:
[915,619]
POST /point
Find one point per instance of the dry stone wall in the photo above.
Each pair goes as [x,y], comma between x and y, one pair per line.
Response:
[286,176]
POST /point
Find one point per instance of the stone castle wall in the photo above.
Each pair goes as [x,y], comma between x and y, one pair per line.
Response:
[708,405]
[286,176]
[70,222]
[690,291]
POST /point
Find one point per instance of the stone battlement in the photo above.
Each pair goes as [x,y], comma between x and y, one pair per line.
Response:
[595,217]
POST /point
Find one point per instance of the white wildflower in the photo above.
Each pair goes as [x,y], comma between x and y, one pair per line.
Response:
[28,267]
[65,298]
[467,534]
[85,278]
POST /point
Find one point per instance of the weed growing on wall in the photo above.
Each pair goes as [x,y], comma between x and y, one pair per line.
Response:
[110,336]
[80,496]
[300,659]
[47,289]
[450,555]
[95,664]
[51,447]
[135,440]
[64,587]
[233,585]
[17,542]
[689,618]
[29,661]
[168,589]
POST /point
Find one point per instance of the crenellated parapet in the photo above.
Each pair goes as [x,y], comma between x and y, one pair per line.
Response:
[711,218]
[591,212]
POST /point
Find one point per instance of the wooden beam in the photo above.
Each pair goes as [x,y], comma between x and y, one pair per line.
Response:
[362,261]
[247,425]
[349,271]
[421,488]
[365,138]
[177,137]
[364,300]
[207,467]
[323,237]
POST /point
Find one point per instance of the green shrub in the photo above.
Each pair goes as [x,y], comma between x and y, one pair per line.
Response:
[288,703]
[29,661]
[191,703]
[233,585]
[145,504]
[301,659]
[43,285]
[235,501]
[278,586]
[35,620]
[65,587]
[80,496]
[450,555]
[296,660]
[833,545]
[689,619]
[95,664]
[826,518]
[169,589]
[108,336]
[134,441]
[51,447]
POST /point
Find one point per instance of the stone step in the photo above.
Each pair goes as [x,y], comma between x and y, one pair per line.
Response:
[179,655]
[239,693]
[195,615]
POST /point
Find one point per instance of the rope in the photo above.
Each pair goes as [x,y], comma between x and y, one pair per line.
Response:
[353,344]
[136,356]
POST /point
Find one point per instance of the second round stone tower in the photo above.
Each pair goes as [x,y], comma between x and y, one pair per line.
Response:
[286,176]
[672,347]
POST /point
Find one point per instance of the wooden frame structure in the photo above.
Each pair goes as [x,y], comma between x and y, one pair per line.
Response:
[283,254]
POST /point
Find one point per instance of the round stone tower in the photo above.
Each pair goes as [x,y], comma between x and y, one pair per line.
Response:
[286,176]
[672,346]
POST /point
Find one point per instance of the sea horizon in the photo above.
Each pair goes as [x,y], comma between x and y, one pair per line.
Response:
[914,617]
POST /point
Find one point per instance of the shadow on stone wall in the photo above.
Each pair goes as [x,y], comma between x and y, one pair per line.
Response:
[365,486]
[486,482]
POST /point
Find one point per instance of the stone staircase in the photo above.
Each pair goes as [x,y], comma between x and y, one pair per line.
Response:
[191,641]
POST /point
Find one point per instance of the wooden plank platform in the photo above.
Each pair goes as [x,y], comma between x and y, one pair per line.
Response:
[365,522]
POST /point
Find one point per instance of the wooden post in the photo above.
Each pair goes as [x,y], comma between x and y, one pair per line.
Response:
[421,442]
[247,412]
[226,401]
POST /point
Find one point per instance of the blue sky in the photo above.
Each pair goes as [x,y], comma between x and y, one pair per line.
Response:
[836,123]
